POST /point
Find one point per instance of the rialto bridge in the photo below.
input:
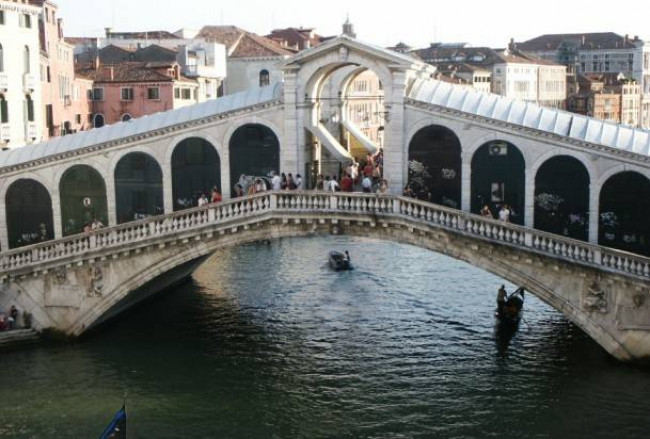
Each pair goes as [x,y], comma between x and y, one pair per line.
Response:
[579,188]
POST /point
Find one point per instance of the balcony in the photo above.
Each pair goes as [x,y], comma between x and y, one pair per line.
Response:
[31,131]
[5,133]
[29,82]
[4,81]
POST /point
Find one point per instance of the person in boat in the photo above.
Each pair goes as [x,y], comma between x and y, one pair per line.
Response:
[347,256]
[502,296]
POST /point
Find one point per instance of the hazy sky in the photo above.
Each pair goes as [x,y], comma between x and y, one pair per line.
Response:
[417,23]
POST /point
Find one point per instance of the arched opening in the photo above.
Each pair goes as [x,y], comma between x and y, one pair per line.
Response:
[29,213]
[138,187]
[499,179]
[98,120]
[562,198]
[29,108]
[625,213]
[83,199]
[126,117]
[435,166]
[196,169]
[4,109]
[265,78]
[254,151]
[26,61]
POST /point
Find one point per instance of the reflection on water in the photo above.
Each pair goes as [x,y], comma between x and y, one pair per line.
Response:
[267,341]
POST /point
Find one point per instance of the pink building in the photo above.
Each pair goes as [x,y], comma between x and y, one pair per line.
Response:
[65,97]
[134,89]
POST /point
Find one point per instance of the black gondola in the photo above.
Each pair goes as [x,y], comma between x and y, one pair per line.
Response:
[510,311]
[340,261]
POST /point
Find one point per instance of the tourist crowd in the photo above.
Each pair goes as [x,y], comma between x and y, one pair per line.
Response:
[9,321]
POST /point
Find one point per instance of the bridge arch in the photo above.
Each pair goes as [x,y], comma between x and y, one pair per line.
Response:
[138,181]
[498,178]
[439,150]
[195,169]
[624,220]
[562,197]
[486,258]
[254,150]
[28,212]
[83,198]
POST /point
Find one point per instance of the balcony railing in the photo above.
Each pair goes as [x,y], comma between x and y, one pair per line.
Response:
[4,81]
[29,82]
[5,133]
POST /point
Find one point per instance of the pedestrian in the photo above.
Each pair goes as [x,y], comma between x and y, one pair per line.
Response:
[347,183]
[283,182]
[216,196]
[203,200]
[366,184]
[407,192]
[334,185]
[96,224]
[320,183]
[291,183]
[276,181]
[13,317]
[501,297]
[504,213]
[260,186]
[383,187]
[298,182]
[486,212]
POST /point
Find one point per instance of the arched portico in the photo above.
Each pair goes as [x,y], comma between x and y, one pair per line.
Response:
[196,170]
[29,215]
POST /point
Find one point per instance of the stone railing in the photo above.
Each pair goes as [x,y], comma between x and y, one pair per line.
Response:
[383,208]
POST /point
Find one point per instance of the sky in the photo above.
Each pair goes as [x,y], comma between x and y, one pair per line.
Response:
[416,23]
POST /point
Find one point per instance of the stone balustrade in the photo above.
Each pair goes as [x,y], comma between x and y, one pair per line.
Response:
[387,209]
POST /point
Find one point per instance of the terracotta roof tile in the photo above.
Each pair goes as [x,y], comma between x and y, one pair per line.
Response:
[124,72]
[601,40]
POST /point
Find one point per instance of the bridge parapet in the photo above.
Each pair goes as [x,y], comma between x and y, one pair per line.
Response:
[148,231]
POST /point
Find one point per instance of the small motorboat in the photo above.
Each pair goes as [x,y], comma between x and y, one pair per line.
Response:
[340,261]
[510,311]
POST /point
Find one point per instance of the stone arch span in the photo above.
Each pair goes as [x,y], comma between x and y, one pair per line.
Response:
[556,283]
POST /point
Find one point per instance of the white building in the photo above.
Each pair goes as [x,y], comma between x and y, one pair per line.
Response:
[21,113]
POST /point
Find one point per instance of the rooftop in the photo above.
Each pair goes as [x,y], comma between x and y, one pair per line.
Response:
[599,40]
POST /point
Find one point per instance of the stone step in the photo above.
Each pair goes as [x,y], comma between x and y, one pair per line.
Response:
[17,337]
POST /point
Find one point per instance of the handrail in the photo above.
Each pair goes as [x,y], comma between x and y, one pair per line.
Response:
[385,207]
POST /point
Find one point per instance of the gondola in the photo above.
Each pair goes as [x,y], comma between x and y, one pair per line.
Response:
[339,261]
[510,312]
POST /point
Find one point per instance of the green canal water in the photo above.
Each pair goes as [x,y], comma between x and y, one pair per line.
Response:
[267,342]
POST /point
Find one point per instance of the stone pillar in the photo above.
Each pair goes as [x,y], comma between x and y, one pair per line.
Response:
[56,213]
[226,189]
[466,183]
[111,201]
[168,192]
[394,147]
[529,200]
[292,142]
[4,237]
[594,212]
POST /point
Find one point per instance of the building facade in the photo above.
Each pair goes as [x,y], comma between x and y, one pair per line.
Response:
[21,114]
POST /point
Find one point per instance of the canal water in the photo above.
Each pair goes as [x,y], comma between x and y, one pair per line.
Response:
[267,342]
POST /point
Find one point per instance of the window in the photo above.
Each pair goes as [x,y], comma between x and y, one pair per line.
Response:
[4,110]
[25,21]
[98,94]
[98,121]
[2,17]
[126,117]
[153,93]
[264,78]
[29,108]
[26,63]
[177,93]
[127,94]
[78,119]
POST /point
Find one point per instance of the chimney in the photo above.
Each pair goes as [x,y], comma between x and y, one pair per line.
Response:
[109,31]
[636,38]
[584,40]
[627,38]
[511,44]
[97,62]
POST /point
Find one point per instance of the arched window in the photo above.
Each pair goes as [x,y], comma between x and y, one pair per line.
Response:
[254,151]
[2,59]
[4,110]
[264,78]
[98,121]
[196,169]
[138,187]
[126,117]
[29,108]
[435,166]
[26,62]
[29,213]
[83,199]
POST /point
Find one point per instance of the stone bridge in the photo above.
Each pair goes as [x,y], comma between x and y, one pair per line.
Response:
[579,186]
[76,283]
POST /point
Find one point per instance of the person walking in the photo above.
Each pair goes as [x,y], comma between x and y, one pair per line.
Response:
[366,184]
[298,182]
[504,213]
[276,181]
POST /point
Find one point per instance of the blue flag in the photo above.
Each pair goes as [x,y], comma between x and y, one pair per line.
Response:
[117,428]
